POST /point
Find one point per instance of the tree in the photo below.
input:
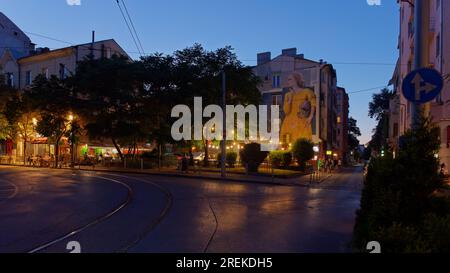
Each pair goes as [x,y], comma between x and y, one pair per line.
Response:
[303,151]
[398,208]
[196,72]
[20,117]
[380,104]
[9,116]
[55,103]
[353,133]
[199,74]
[379,109]
[157,75]
[4,92]
[112,103]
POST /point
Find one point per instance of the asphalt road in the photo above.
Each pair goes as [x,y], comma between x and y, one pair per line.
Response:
[42,210]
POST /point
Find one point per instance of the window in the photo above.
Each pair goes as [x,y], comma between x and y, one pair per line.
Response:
[277,100]
[438,45]
[395,130]
[28,80]
[276,81]
[45,72]
[10,79]
[108,53]
[339,120]
[62,72]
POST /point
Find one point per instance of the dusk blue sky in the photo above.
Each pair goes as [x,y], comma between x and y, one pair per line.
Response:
[342,32]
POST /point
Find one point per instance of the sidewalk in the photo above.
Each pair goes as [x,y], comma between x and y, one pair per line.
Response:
[304,180]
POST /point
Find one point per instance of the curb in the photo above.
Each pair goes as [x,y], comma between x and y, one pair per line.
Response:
[187,176]
[249,181]
[180,175]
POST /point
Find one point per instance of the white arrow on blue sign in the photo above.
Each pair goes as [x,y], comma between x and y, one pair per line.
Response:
[422,85]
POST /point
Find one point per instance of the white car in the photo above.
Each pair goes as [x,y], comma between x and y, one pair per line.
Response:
[198,157]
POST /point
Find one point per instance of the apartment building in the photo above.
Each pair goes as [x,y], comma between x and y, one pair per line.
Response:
[438,52]
[277,74]
[21,63]
[342,112]
[14,44]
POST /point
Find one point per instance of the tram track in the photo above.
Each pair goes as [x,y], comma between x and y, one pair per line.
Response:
[155,222]
[96,221]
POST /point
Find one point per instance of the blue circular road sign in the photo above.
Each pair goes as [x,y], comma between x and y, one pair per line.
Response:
[422,85]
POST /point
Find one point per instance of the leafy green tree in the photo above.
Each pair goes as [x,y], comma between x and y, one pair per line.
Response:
[380,104]
[55,103]
[378,109]
[303,151]
[198,73]
[20,116]
[353,133]
[112,104]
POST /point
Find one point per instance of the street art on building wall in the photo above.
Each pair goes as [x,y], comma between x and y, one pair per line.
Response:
[299,110]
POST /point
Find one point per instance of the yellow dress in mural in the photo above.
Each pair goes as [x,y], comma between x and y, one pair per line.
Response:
[299,109]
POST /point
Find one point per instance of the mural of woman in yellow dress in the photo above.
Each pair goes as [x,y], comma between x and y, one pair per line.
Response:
[299,110]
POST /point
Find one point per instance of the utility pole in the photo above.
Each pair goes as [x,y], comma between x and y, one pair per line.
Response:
[421,29]
[224,125]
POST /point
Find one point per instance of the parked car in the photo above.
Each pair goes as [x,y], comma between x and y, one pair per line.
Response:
[198,157]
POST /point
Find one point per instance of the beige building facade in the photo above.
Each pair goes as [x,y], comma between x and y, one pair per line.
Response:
[319,76]
[438,52]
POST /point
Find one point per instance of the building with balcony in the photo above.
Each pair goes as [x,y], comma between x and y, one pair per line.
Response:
[438,55]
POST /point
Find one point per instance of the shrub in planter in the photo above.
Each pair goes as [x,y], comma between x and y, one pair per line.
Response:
[280,159]
[230,159]
[252,157]
[303,152]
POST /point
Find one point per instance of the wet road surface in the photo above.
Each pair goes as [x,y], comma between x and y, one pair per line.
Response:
[41,210]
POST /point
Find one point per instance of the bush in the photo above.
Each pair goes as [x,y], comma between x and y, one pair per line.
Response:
[303,151]
[230,159]
[252,157]
[398,208]
[280,159]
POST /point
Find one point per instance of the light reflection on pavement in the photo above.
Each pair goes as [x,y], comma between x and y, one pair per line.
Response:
[175,214]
